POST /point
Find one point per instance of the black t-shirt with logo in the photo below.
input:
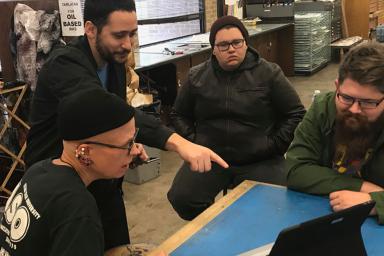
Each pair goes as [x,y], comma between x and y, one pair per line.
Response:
[51,212]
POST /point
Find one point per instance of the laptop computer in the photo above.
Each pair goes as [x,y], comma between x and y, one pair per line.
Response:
[338,233]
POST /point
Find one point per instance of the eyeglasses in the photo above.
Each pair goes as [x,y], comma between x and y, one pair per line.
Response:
[224,46]
[363,103]
[128,147]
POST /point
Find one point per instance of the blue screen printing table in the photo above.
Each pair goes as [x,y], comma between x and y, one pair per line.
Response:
[252,215]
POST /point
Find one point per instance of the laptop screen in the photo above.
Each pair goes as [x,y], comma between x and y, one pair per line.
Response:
[338,233]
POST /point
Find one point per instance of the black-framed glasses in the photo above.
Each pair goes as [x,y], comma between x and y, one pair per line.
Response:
[131,143]
[363,103]
[224,46]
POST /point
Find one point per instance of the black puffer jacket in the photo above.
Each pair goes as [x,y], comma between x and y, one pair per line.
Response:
[245,116]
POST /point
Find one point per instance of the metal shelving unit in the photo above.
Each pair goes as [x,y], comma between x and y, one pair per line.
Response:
[333,6]
[312,41]
[336,17]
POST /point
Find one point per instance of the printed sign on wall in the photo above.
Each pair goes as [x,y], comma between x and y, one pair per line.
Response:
[71,17]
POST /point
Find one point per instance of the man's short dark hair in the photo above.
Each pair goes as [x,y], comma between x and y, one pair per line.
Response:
[98,11]
[364,64]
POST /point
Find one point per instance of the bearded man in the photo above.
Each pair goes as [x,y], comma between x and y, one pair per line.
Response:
[338,147]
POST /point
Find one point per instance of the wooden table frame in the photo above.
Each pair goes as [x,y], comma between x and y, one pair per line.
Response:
[200,221]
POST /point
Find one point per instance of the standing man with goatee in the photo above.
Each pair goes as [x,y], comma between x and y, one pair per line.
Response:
[338,148]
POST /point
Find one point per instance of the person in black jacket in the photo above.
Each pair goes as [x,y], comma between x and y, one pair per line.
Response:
[98,57]
[241,106]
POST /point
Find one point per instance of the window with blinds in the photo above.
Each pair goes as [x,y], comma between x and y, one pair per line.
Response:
[161,20]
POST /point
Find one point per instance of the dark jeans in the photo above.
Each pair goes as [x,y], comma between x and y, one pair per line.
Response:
[109,199]
[193,192]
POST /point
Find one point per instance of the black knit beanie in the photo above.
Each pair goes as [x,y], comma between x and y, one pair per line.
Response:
[90,112]
[225,21]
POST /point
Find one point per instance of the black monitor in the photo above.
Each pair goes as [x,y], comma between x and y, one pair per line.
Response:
[270,11]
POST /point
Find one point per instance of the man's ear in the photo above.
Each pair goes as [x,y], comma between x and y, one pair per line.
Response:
[337,85]
[90,30]
[214,50]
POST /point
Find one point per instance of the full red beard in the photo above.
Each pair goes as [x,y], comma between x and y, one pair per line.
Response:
[356,133]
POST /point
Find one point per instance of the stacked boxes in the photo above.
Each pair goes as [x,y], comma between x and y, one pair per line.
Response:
[372,6]
[376,13]
[380,9]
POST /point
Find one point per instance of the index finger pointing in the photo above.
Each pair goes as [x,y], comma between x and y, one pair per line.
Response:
[217,159]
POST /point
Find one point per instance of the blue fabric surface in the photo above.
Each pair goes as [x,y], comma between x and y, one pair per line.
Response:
[258,216]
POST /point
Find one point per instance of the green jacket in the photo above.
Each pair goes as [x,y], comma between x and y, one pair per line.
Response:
[309,157]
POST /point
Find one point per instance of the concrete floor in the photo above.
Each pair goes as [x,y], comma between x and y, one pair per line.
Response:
[150,216]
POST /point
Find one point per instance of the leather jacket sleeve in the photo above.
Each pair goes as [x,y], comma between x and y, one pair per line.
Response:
[289,108]
[152,132]
[182,115]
